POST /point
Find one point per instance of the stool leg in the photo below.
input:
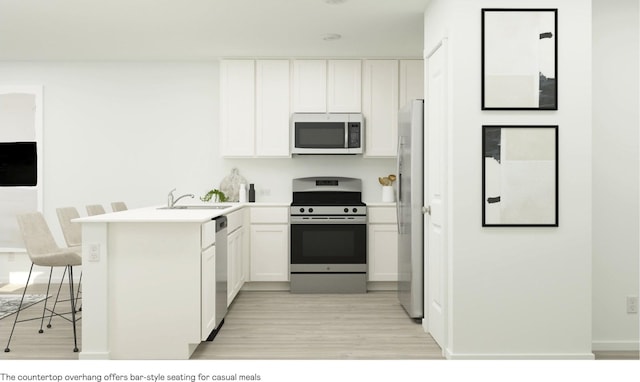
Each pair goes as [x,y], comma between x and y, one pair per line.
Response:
[46,298]
[78,293]
[73,309]
[64,273]
[6,350]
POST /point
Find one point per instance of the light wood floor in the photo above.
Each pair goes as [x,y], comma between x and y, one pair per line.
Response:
[281,325]
[275,325]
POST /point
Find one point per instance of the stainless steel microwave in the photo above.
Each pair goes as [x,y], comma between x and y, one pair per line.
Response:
[328,133]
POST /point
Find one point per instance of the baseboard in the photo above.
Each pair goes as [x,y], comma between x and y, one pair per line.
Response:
[615,345]
[534,356]
[91,356]
[266,286]
[379,286]
[372,286]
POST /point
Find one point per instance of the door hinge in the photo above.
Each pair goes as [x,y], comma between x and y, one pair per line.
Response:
[426,210]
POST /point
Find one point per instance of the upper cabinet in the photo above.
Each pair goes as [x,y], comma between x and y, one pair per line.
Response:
[344,86]
[380,107]
[254,108]
[411,81]
[237,108]
[387,85]
[310,86]
[272,108]
[258,97]
[327,86]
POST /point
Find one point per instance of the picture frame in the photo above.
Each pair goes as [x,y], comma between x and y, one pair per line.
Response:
[520,176]
[519,59]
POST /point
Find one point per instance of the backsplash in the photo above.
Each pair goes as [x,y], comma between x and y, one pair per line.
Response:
[272,177]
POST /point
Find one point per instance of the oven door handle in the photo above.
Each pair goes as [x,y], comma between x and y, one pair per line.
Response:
[311,220]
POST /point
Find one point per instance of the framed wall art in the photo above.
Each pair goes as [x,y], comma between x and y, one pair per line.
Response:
[520,176]
[519,59]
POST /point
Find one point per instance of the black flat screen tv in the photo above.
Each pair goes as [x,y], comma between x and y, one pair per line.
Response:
[18,164]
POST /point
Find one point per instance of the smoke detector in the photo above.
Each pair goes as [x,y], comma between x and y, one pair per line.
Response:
[331,37]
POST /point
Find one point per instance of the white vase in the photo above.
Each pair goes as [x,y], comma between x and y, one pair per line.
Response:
[387,194]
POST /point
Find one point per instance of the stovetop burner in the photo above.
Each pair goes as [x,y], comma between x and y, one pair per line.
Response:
[327,196]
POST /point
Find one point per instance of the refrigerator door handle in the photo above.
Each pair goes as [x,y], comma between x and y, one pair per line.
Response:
[399,193]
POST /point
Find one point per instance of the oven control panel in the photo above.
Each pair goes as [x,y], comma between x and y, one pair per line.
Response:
[328,210]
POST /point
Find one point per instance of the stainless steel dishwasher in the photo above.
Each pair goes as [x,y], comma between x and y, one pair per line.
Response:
[221,274]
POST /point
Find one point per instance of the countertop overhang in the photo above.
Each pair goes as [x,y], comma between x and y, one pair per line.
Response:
[158,214]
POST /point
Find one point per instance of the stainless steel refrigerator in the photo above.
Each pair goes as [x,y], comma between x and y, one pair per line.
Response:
[409,202]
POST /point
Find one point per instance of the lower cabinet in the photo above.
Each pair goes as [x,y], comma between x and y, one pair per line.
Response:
[383,243]
[269,252]
[235,265]
[383,252]
[208,291]
[269,239]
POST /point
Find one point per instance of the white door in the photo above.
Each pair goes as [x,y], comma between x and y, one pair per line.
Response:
[435,190]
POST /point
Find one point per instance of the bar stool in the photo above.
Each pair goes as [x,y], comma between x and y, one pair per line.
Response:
[72,233]
[95,209]
[43,251]
[118,206]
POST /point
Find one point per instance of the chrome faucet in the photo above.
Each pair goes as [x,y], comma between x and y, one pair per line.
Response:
[171,201]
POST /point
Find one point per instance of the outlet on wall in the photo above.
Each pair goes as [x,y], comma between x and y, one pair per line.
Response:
[94,252]
[632,304]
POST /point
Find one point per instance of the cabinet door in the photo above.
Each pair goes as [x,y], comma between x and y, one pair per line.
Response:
[344,86]
[208,292]
[411,80]
[235,264]
[310,86]
[383,252]
[237,114]
[380,107]
[269,252]
[272,108]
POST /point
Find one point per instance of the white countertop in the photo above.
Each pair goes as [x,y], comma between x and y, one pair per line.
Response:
[158,214]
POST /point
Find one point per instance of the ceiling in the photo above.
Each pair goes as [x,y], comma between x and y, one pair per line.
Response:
[208,29]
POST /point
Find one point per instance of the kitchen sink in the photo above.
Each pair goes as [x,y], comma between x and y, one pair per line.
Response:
[197,207]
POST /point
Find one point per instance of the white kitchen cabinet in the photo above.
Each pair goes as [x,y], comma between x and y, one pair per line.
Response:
[387,85]
[411,80]
[254,108]
[383,243]
[380,107]
[237,108]
[237,251]
[269,244]
[272,108]
[235,258]
[310,86]
[208,292]
[327,86]
[344,86]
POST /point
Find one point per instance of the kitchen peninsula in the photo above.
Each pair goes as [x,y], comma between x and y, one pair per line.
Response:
[147,277]
[147,281]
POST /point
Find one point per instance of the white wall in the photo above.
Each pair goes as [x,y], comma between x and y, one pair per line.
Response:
[517,292]
[616,59]
[132,131]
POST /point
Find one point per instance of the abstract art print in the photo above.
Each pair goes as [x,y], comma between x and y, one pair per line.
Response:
[520,176]
[519,59]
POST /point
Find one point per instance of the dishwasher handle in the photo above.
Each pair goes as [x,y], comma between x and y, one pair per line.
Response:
[221,223]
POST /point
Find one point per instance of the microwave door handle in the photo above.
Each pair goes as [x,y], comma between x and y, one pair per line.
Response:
[346,135]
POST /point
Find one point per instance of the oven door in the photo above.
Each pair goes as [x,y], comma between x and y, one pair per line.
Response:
[328,246]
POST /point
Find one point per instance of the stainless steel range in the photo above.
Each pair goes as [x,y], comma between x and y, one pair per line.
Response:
[328,236]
